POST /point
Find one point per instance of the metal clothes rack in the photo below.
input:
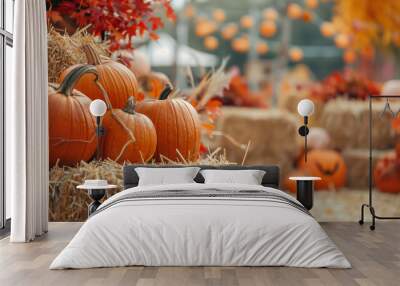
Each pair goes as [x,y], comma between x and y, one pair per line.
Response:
[370,201]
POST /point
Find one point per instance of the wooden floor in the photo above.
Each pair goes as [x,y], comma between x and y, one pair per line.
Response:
[375,257]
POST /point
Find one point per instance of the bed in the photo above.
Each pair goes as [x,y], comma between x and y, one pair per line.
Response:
[198,224]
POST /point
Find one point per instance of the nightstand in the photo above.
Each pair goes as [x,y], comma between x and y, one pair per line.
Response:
[305,190]
[96,193]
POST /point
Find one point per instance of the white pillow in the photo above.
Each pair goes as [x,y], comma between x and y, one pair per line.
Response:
[248,177]
[164,176]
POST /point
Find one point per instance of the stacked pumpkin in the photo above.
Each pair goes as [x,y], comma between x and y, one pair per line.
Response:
[160,128]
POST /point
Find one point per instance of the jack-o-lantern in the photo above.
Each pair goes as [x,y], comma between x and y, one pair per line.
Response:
[327,164]
[387,174]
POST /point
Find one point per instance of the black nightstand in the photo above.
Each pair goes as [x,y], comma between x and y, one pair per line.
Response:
[305,190]
[96,193]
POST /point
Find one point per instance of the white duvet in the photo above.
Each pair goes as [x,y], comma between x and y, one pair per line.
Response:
[200,231]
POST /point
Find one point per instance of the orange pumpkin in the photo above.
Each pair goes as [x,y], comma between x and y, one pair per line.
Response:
[153,83]
[387,174]
[177,125]
[118,81]
[327,164]
[129,136]
[72,135]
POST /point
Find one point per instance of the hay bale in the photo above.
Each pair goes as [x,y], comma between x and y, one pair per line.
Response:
[347,122]
[357,161]
[272,133]
[64,50]
[66,203]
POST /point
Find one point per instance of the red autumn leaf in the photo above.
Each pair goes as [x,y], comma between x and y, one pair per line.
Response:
[112,20]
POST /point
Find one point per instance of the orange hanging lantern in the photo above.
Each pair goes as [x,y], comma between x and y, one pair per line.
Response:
[218,15]
[204,28]
[342,41]
[211,43]
[349,56]
[241,44]
[262,48]
[327,29]
[294,11]
[229,31]
[267,28]
[270,14]
[246,21]
[312,4]
[295,54]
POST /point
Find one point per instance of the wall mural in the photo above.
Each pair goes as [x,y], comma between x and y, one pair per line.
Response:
[197,83]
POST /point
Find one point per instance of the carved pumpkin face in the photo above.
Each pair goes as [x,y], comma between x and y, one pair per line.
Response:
[327,164]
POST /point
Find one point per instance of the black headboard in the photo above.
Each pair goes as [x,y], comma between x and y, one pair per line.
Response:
[271,177]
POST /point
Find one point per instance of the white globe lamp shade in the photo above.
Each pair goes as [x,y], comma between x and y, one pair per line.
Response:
[305,107]
[98,107]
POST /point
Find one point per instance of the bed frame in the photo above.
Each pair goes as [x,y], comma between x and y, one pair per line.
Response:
[270,179]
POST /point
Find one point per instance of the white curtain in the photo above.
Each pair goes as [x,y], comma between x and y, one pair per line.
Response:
[27,124]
